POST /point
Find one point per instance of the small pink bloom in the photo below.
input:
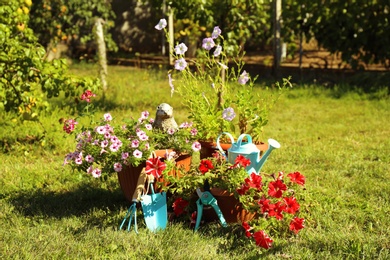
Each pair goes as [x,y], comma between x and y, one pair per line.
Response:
[125,155]
[135,143]
[137,154]
[107,117]
[196,146]
[117,167]
[96,173]
[89,158]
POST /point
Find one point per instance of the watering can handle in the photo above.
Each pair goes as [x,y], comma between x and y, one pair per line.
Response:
[219,146]
[239,140]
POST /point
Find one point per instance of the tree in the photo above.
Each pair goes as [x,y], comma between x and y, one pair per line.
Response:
[25,77]
[71,21]
[358,29]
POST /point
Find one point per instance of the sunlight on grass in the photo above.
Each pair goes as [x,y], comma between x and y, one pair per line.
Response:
[339,142]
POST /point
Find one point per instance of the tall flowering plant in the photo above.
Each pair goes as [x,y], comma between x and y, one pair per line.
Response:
[271,198]
[217,91]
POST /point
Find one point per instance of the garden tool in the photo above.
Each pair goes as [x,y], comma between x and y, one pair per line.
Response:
[132,211]
[154,207]
[248,150]
[207,199]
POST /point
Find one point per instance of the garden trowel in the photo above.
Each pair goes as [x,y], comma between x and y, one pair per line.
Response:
[154,207]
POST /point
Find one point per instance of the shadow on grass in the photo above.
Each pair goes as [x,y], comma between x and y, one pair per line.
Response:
[81,201]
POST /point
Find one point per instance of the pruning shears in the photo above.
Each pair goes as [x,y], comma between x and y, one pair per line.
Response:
[207,199]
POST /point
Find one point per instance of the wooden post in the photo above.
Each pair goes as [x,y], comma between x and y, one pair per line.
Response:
[101,51]
[171,35]
[277,6]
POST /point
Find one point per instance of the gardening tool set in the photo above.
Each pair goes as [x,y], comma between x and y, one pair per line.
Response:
[154,205]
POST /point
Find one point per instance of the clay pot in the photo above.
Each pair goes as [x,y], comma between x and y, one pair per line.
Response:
[231,208]
[128,178]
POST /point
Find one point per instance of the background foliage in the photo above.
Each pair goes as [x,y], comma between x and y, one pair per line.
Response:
[26,78]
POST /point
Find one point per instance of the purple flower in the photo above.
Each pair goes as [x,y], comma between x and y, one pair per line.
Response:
[196,146]
[100,130]
[125,155]
[104,144]
[144,115]
[148,126]
[161,24]
[194,131]
[180,64]
[117,167]
[216,32]
[107,117]
[228,114]
[180,49]
[217,51]
[243,78]
[208,43]
[135,143]
[89,158]
[137,153]
[96,173]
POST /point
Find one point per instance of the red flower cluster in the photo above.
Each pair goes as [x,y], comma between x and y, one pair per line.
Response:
[69,125]
[254,181]
[273,203]
[205,165]
[261,238]
[87,96]
[179,206]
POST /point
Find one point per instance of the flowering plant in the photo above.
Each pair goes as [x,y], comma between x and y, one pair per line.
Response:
[219,96]
[183,140]
[271,198]
[107,146]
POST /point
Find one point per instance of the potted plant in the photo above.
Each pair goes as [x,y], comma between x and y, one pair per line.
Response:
[218,93]
[264,204]
[107,146]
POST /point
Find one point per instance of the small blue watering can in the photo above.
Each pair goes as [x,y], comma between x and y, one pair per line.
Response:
[248,150]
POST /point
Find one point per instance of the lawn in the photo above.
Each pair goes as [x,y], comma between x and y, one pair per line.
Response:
[337,137]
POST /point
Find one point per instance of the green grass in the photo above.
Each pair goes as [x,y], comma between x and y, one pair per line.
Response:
[338,138]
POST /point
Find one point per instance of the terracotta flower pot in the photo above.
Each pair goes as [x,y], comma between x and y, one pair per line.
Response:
[231,208]
[128,178]
[208,148]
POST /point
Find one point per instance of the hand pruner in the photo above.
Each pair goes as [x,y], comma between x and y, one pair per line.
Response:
[207,199]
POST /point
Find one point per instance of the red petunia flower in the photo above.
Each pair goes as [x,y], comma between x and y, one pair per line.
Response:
[87,96]
[277,210]
[296,224]
[262,239]
[247,228]
[254,181]
[265,205]
[205,166]
[276,188]
[242,161]
[297,177]
[292,205]
[155,167]
[243,189]
[179,206]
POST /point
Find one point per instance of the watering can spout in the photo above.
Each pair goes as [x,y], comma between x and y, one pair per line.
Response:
[272,144]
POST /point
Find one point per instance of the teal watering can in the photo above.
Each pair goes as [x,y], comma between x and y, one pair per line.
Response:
[248,150]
